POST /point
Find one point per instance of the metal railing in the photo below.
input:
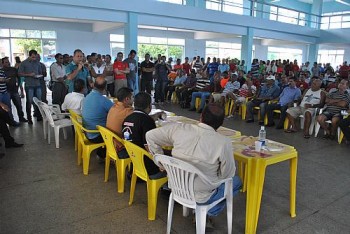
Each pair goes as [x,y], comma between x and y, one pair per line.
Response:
[259,9]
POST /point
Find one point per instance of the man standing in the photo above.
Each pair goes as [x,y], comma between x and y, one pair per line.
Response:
[30,69]
[186,66]
[12,87]
[76,70]
[203,147]
[42,80]
[162,69]
[147,68]
[131,76]
[212,68]
[108,73]
[286,99]
[94,112]
[58,75]
[120,70]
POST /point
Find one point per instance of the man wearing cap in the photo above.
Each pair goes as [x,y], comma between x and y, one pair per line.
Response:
[286,99]
[266,93]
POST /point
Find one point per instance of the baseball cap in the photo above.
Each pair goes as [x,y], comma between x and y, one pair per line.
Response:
[271,77]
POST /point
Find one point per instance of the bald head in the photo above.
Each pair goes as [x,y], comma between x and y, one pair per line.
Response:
[100,83]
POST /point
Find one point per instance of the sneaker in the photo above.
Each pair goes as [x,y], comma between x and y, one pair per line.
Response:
[30,121]
[230,116]
[250,121]
[13,145]
[23,120]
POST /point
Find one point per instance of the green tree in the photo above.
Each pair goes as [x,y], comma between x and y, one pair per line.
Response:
[29,44]
[153,50]
[175,52]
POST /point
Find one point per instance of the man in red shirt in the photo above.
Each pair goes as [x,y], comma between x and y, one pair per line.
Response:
[344,70]
[186,66]
[120,70]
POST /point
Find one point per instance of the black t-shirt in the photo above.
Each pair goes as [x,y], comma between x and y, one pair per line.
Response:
[12,84]
[147,75]
[137,124]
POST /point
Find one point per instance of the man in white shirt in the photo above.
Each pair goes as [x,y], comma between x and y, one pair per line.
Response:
[58,74]
[73,101]
[204,148]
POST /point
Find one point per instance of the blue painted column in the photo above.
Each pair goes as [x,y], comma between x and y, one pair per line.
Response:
[247,47]
[200,3]
[190,2]
[131,32]
[312,53]
[316,9]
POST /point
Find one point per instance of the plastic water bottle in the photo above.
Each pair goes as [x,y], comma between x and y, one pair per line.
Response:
[126,136]
[262,135]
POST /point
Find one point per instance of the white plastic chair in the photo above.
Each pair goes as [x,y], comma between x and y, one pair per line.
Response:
[181,177]
[56,113]
[317,127]
[56,124]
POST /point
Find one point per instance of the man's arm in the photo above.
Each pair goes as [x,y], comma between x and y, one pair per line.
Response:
[159,137]
[227,164]
[72,74]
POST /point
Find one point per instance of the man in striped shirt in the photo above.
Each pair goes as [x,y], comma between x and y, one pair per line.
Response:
[203,90]
[5,96]
[335,102]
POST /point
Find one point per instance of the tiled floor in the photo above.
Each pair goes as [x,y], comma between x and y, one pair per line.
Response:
[42,190]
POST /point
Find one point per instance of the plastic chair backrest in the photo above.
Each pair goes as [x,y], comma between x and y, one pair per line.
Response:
[108,137]
[36,102]
[137,155]
[75,115]
[81,130]
[47,112]
[181,177]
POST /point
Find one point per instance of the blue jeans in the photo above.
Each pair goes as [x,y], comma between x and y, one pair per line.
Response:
[202,95]
[6,99]
[32,92]
[131,84]
[160,90]
[219,193]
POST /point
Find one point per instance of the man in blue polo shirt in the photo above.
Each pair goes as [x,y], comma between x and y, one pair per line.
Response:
[94,112]
[286,99]
[76,70]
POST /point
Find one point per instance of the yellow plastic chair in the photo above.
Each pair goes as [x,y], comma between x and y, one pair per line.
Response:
[120,164]
[137,155]
[78,117]
[197,103]
[229,106]
[86,146]
[286,121]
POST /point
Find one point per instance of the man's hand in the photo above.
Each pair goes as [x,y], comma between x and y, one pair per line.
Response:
[4,107]
[80,66]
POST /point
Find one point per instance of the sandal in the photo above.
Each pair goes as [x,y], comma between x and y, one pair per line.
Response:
[290,130]
[306,136]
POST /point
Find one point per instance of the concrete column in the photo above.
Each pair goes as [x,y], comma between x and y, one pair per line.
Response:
[312,53]
[316,9]
[200,3]
[190,2]
[131,32]
[247,47]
